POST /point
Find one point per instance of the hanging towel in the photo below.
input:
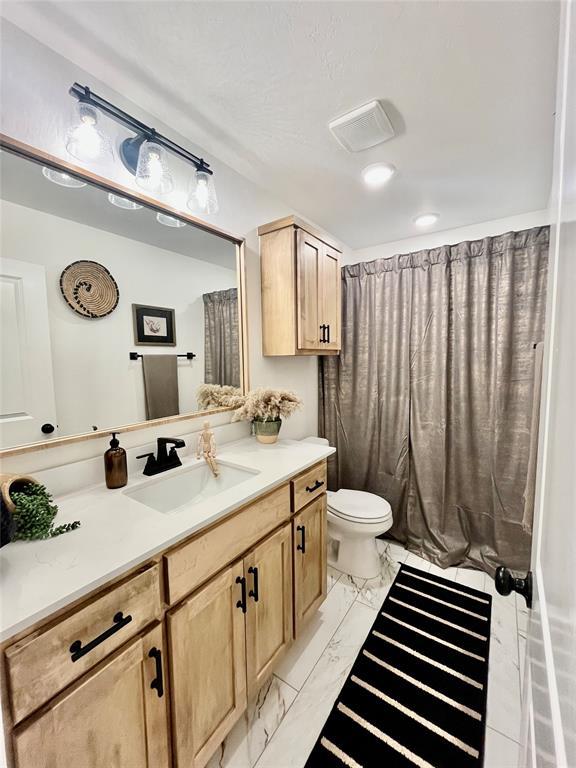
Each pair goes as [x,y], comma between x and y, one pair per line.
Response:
[160,385]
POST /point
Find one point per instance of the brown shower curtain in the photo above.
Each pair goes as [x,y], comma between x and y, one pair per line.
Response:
[430,402]
[221,338]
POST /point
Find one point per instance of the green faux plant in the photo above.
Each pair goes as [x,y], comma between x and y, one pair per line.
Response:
[35,512]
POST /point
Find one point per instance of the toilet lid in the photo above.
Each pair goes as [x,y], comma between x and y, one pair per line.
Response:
[358,506]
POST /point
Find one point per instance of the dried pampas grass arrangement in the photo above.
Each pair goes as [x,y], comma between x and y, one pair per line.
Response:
[217,396]
[267,405]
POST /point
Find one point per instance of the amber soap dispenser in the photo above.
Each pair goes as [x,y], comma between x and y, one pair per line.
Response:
[115,464]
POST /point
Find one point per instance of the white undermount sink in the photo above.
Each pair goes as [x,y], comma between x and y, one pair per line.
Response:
[170,492]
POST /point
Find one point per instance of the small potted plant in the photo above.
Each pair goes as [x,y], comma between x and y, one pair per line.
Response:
[31,510]
[265,409]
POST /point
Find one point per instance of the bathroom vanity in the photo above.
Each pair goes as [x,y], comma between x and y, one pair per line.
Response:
[154,666]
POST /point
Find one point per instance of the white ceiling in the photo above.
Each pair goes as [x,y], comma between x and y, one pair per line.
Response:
[469,87]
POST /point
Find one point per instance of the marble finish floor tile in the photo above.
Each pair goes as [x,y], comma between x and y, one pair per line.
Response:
[417,562]
[252,733]
[445,573]
[471,578]
[504,705]
[332,577]
[309,647]
[297,734]
[500,751]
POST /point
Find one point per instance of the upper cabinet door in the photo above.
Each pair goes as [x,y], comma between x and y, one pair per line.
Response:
[208,661]
[309,255]
[329,286]
[268,571]
[111,717]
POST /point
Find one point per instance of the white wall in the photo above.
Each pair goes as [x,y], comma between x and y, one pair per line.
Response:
[36,109]
[95,382]
[449,236]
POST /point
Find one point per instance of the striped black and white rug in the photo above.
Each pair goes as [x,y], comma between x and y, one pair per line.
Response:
[416,695]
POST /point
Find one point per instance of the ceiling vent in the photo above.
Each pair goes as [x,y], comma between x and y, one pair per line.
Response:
[362,128]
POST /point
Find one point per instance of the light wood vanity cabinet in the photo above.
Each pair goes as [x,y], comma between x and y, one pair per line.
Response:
[111,717]
[235,595]
[300,270]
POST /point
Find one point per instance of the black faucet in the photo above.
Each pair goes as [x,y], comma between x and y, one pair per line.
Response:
[164,459]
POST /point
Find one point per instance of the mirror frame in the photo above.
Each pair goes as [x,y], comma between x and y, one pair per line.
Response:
[107,185]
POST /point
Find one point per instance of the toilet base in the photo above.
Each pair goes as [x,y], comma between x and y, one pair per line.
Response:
[357,556]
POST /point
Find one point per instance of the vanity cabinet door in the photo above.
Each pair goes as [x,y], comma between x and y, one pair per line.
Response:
[309,552]
[208,667]
[268,572]
[115,716]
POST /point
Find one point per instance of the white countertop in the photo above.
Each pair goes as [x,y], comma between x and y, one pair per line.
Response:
[117,533]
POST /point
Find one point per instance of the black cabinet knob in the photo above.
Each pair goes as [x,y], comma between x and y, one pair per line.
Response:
[47,428]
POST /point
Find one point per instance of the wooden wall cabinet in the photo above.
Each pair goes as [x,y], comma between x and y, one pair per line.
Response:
[301,304]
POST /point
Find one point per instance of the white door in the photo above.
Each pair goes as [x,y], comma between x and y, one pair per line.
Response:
[26,382]
[549,733]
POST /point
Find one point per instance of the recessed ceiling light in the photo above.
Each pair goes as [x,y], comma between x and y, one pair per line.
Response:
[63,179]
[169,221]
[123,202]
[426,219]
[377,174]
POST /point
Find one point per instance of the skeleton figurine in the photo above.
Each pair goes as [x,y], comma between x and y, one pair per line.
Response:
[207,448]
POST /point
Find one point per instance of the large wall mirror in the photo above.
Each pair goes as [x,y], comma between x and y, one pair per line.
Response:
[113,310]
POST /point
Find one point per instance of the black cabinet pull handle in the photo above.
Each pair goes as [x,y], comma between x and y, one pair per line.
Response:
[158,682]
[506,583]
[254,592]
[328,329]
[317,484]
[323,337]
[78,650]
[302,545]
[242,602]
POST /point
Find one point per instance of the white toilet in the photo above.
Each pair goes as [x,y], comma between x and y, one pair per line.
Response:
[355,519]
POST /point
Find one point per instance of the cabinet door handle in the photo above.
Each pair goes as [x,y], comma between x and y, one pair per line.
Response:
[328,329]
[242,602]
[317,484]
[323,337]
[158,682]
[302,545]
[254,592]
[77,650]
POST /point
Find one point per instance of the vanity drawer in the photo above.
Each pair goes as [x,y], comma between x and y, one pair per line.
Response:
[193,563]
[309,485]
[45,662]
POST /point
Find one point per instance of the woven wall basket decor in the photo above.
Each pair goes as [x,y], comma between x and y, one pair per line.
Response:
[89,289]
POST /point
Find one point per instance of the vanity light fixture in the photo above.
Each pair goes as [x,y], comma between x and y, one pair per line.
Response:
[63,179]
[426,219]
[378,174]
[202,194]
[144,154]
[169,221]
[84,140]
[123,202]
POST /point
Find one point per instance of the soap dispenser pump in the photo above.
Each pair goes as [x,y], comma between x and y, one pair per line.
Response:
[115,464]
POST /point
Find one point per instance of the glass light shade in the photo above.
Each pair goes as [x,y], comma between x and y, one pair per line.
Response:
[84,140]
[170,221]
[202,194]
[123,202]
[63,179]
[151,172]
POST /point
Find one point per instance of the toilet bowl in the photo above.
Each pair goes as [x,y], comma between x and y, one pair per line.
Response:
[355,519]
